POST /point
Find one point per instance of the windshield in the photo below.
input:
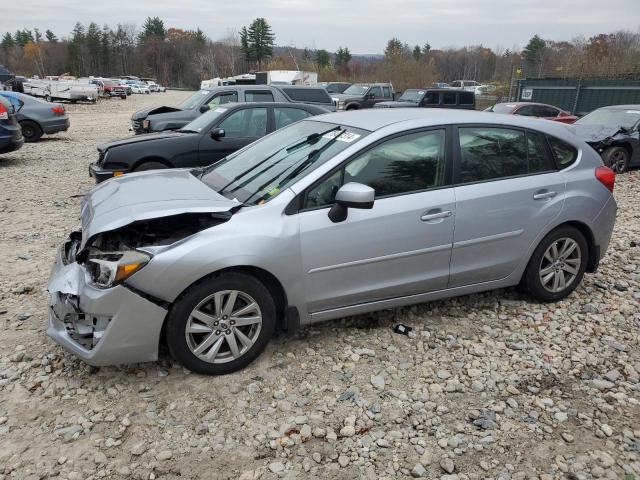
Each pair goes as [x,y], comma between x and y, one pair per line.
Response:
[257,173]
[203,121]
[412,96]
[612,117]
[357,89]
[502,108]
[194,100]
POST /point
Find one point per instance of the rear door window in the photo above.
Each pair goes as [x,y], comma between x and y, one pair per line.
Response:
[538,154]
[258,96]
[546,112]
[377,92]
[527,111]
[387,92]
[248,122]
[466,98]
[287,115]
[449,98]
[489,153]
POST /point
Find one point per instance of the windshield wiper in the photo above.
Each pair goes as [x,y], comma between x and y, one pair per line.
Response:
[310,139]
[307,162]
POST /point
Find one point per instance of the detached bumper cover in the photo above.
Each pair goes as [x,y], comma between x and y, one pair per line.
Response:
[101,326]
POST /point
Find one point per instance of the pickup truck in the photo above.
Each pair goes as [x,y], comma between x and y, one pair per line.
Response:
[363,95]
[158,119]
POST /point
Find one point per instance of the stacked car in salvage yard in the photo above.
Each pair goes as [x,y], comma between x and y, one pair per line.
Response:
[491,383]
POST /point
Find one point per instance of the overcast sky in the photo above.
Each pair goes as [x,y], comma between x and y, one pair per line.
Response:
[363,26]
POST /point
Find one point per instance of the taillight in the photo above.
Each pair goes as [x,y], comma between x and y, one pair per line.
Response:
[4,113]
[607,177]
[58,110]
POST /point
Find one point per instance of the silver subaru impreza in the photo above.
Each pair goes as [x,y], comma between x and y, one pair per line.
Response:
[337,215]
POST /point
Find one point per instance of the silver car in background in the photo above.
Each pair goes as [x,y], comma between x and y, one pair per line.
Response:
[337,215]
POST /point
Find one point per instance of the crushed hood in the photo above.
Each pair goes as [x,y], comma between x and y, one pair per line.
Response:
[147,195]
[145,112]
[594,133]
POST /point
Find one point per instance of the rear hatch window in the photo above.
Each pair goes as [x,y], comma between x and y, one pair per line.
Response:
[313,95]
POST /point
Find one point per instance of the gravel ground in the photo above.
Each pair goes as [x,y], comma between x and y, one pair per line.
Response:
[490,386]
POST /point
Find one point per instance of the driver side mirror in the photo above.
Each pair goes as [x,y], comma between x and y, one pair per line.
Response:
[204,108]
[351,195]
[217,133]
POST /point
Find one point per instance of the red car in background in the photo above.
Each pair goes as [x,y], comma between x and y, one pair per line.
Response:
[528,109]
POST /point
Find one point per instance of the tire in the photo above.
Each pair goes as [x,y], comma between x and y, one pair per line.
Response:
[352,107]
[123,97]
[143,167]
[186,333]
[616,158]
[31,131]
[568,266]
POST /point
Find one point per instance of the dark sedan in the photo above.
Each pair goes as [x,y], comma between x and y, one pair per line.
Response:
[37,117]
[10,134]
[207,139]
[614,132]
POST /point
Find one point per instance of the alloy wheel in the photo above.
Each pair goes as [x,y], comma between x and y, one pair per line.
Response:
[223,326]
[560,265]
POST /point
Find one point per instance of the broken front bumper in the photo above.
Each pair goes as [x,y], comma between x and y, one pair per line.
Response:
[102,326]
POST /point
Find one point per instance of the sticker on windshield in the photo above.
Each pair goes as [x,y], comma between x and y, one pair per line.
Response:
[346,137]
[420,92]
[636,112]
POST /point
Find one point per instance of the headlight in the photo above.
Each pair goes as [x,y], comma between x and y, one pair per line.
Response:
[108,269]
[341,104]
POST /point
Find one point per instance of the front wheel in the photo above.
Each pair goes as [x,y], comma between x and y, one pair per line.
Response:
[557,265]
[149,166]
[616,158]
[222,324]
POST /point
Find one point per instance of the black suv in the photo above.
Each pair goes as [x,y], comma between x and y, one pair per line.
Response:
[433,98]
[10,132]
[158,119]
[361,95]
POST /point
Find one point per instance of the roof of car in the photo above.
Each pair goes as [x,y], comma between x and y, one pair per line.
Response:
[519,104]
[623,107]
[375,119]
[250,87]
[272,104]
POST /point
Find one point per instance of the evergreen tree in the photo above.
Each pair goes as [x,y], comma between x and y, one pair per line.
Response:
[50,36]
[343,57]
[534,52]
[7,41]
[395,49]
[256,42]
[417,53]
[323,59]
[152,27]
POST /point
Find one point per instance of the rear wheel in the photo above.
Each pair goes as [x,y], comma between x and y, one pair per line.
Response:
[31,131]
[222,324]
[149,166]
[557,265]
[616,158]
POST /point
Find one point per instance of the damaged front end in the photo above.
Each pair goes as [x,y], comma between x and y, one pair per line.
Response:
[93,313]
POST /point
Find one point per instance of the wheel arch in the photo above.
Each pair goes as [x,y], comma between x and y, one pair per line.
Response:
[31,120]
[268,279]
[151,158]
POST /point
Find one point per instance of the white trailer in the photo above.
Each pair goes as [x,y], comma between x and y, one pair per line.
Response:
[70,90]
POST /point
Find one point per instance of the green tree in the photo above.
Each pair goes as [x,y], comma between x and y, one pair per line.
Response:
[50,36]
[426,49]
[534,53]
[7,41]
[152,27]
[395,49]
[256,42]
[323,59]
[417,53]
[306,54]
[343,57]
[200,37]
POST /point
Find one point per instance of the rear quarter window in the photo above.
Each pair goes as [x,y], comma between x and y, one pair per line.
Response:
[315,95]
[564,153]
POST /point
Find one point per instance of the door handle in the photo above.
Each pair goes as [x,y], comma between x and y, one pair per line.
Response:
[544,195]
[427,217]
